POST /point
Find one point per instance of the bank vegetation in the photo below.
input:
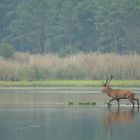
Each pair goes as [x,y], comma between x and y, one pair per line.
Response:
[91,66]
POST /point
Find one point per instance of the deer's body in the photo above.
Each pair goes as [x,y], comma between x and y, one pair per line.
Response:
[117,94]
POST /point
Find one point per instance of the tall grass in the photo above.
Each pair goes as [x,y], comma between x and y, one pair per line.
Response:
[79,66]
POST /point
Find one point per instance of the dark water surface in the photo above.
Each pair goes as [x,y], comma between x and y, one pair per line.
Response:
[42,114]
[69,124]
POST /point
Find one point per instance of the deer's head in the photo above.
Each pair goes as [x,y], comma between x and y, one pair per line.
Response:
[105,85]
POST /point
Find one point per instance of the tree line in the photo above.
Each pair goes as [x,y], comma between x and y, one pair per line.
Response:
[70,26]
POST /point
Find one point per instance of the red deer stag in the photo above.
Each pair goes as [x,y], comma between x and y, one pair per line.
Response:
[117,94]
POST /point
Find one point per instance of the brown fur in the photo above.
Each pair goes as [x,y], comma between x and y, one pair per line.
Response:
[117,94]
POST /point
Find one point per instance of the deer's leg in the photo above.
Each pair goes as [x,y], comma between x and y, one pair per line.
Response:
[118,101]
[137,101]
[131,100]
[110,102]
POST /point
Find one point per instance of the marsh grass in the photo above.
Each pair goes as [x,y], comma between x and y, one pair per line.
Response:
[68,83]
[27,67]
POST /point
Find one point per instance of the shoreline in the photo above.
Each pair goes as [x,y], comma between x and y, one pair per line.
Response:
[43,98]
[69,83]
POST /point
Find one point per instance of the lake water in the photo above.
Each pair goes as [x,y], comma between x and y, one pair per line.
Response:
[25,115]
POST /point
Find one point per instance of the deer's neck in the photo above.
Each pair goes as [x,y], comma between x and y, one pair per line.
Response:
[109,91]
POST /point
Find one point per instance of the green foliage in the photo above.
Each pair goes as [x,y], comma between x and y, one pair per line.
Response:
[25,74]
[33,73]
[68,50]
[118,26]
[42,26]
[69,72]
[8,73]
[6,50]
[7,15]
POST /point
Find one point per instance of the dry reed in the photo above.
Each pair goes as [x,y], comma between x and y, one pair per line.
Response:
[79,66]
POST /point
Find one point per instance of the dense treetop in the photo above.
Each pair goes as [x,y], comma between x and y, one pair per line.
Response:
[70,26]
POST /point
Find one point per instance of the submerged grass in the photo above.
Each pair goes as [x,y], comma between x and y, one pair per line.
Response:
[82,103]
[68,83]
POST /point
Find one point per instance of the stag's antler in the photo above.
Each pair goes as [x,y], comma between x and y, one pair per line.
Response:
[108,80]
[105,83]
[111,76]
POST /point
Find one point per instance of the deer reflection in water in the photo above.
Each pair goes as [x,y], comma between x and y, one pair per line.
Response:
[118,116]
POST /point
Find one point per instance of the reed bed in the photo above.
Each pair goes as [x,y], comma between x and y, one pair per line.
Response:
[28,67]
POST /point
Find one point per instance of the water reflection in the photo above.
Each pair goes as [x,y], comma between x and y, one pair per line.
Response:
[69,124]
[116,117]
